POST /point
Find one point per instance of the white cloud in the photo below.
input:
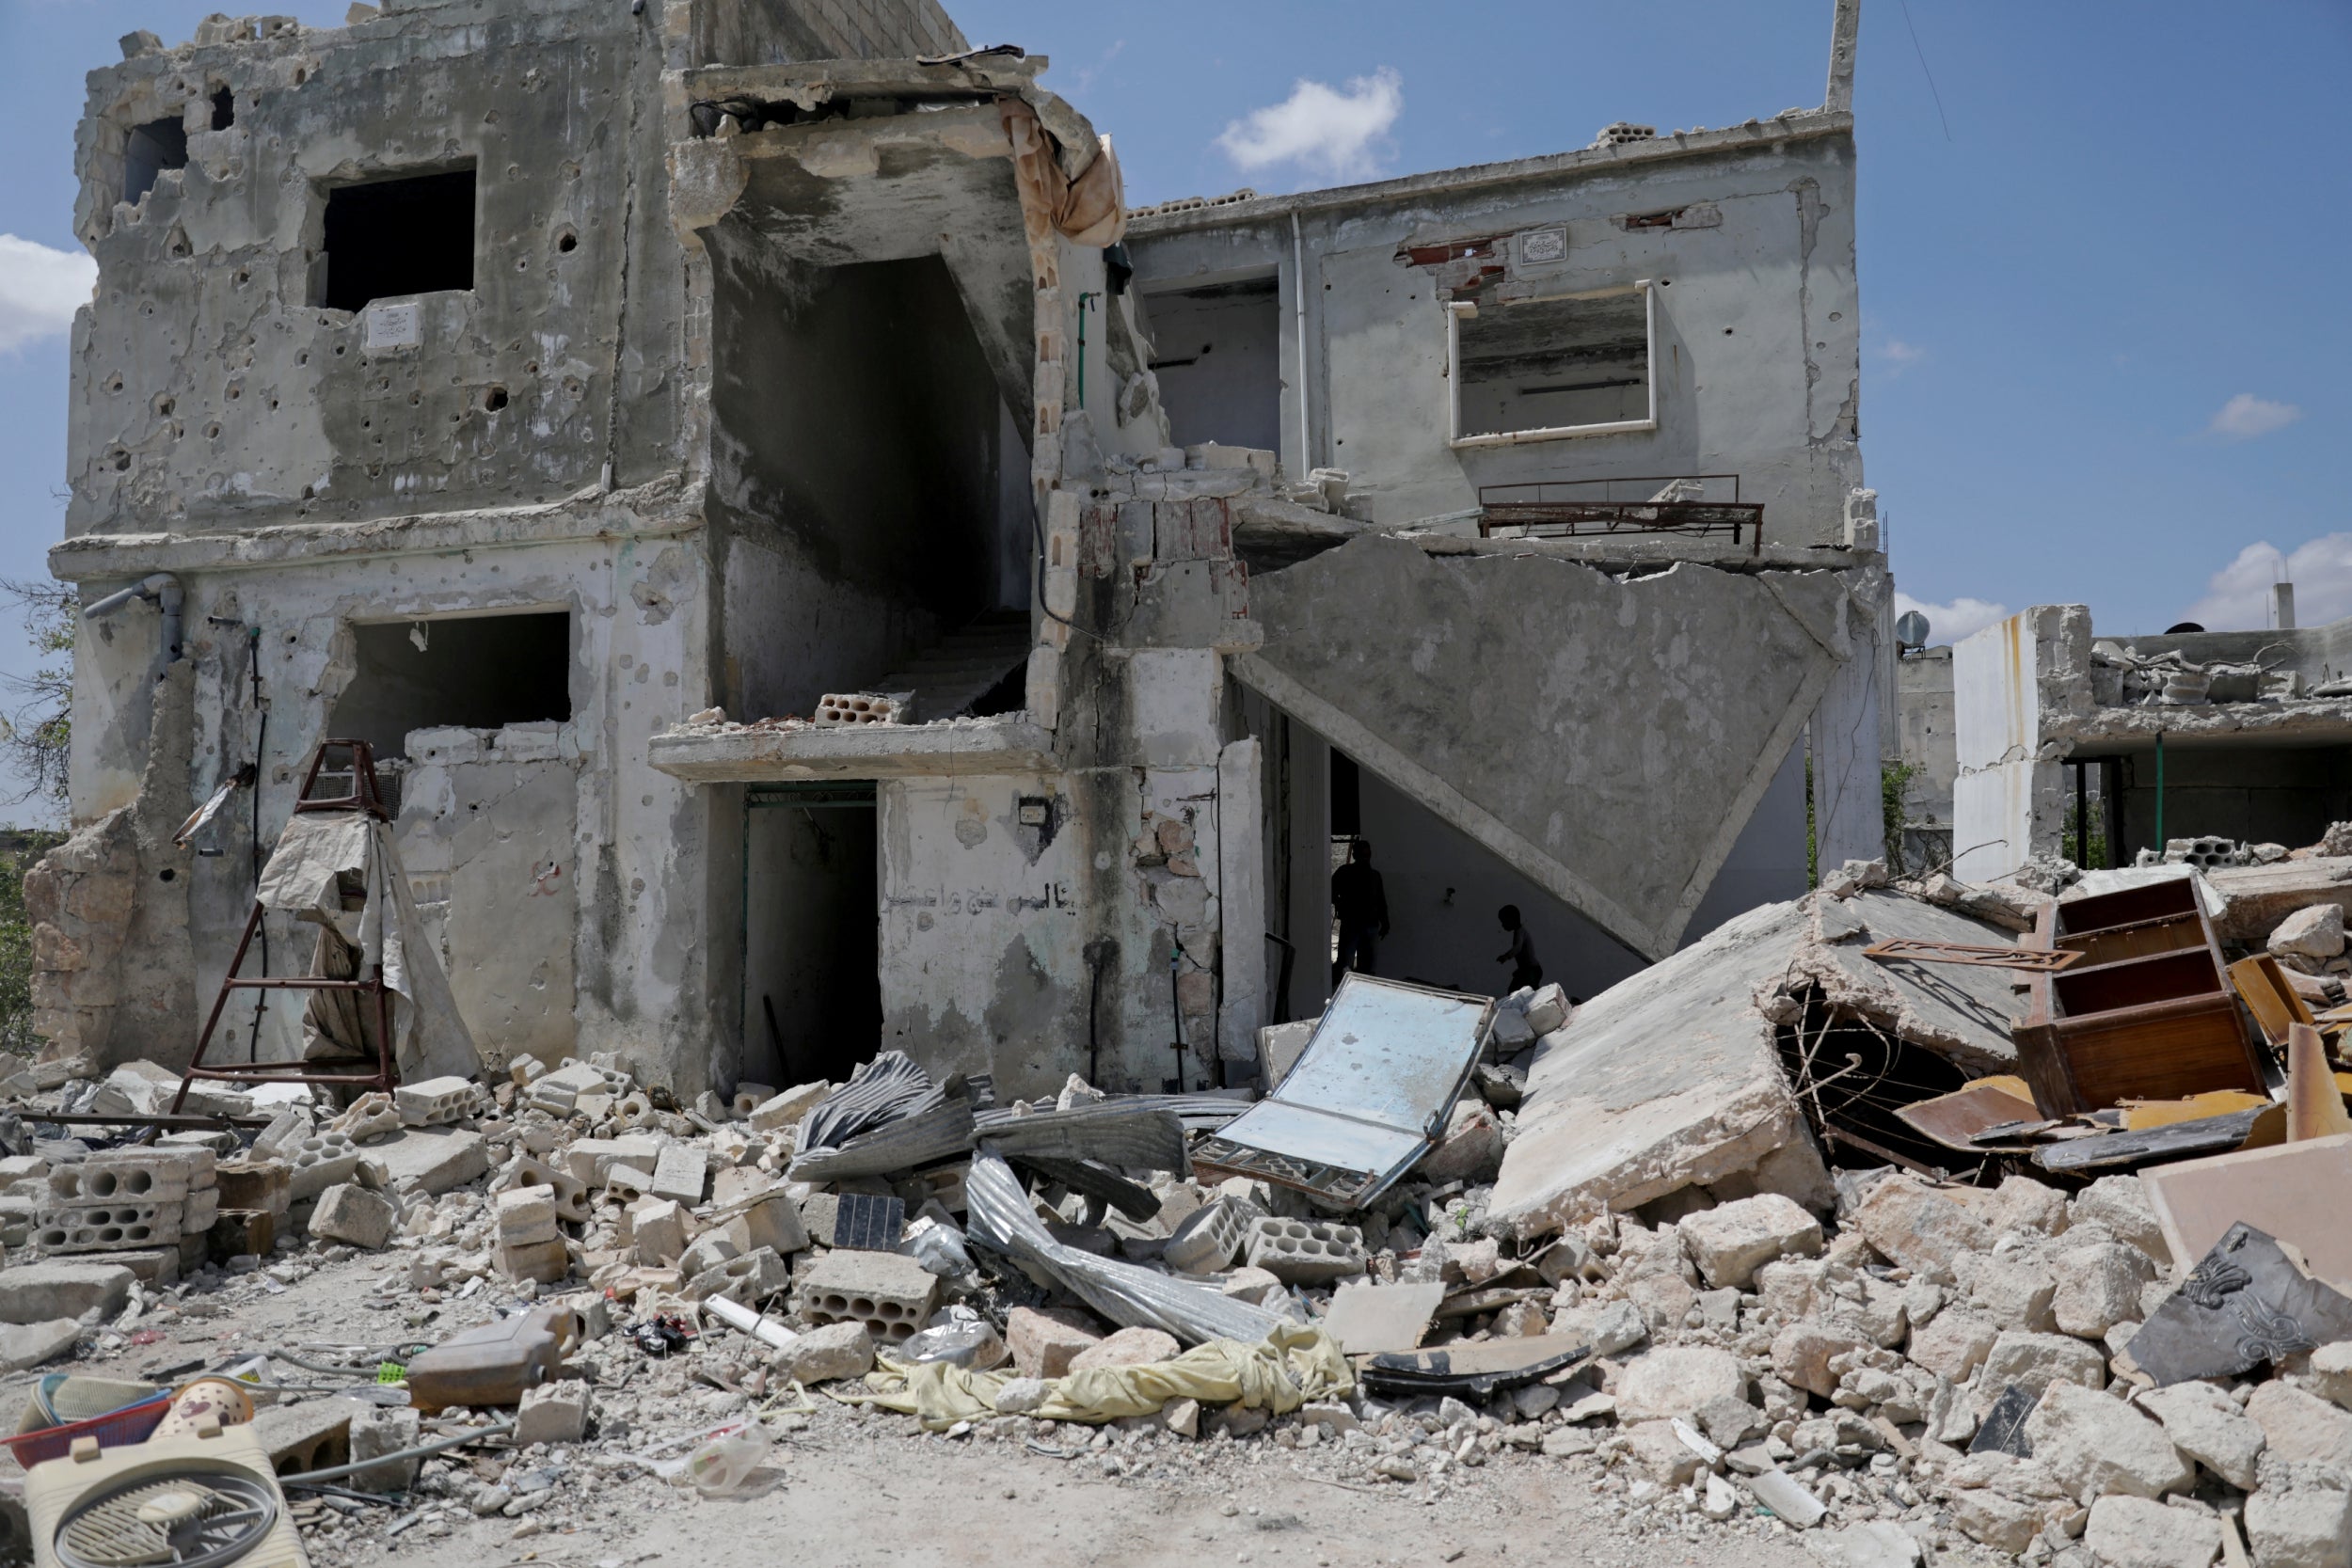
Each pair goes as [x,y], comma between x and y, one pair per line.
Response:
[39,289]
[1949,623]
[2246,415]
[1324,131]
[2238,597]
[1900,356]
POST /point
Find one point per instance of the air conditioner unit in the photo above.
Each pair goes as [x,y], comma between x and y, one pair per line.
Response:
[174,1502]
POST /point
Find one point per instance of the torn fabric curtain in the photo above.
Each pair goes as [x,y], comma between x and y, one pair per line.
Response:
[304,877]
[1088,210]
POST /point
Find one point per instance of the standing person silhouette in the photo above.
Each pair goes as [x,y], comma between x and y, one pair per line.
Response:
[1361,904]
[1525,971]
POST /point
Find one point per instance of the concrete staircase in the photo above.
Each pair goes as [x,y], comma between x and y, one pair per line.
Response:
[955,672]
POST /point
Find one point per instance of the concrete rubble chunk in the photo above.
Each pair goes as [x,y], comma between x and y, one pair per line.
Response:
[681,1174]
[826,1354]
[1044,1342]
[1731,1240]
[2098,1286]
[353,1216]
[37,1292]
[2308,1527]
[2003,1523]
[2302,1427]
[1661,1454]
[1874,1544]
[556,1412]
[1955,1343]
[431,1159]
[2314,932]
[2134,1533]
[2209,1426]
[1129,1347]
[889,1293]
[1920,1227]
[1802,1353]
[23,1346]
[2095,1443]
[2331,1368]
[2121,1204]
[1678,1381]
[786,1109]
[376,1432]
[2015,1292]
[1787,1497]
[2034,1361]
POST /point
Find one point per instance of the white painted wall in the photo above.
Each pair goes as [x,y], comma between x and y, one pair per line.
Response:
[1995,736]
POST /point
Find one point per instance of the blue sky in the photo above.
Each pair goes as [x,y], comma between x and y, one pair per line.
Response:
[2103,281]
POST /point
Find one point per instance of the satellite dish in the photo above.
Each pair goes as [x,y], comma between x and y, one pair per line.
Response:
[1911,630]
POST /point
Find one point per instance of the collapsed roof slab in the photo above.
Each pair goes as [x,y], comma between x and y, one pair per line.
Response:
[1609,736]
[1962,1012]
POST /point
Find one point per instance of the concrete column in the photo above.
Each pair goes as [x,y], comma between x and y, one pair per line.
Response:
[1241,899]
[1849,821]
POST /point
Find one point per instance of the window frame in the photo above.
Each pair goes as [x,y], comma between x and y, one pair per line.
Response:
[1458,309]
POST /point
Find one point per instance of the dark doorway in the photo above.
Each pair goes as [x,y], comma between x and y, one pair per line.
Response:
[154,147]
[391,237]
[812,981]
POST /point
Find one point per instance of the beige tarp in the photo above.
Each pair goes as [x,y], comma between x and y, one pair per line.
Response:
[1294,1365]
[305,876]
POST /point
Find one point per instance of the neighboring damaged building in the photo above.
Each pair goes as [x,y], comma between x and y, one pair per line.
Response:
[726,462]
[2244,737]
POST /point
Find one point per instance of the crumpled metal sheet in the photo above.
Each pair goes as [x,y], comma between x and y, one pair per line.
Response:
[1130,1136]
[938,1131]
[1367,1097]
[884,1090]
[1126,1293]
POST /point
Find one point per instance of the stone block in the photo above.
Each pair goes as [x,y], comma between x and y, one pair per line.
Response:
[1663,1456]
[1802,1352]
[1305,1252]
[1470,1149]
[2133,1532]
[786,1109]
[556,1412]
[1954,1343]
[590,1161]
[768,1220]
[2302,1427]
[255,1184]
[1915,1225]
[35,1292]
[435,1103]
[2098,1286]
[558,1092]
[543,1261]
[433,1160]
[2310,1527]
[1129,1347]
[890,1293]
[681,1174]
[2004,1524]
[2034,1361]
[1609,1329]
[25,1346]
[317,1161]
[657,1230]
[2313,932]
[2121,1204]
[1044,1342]
[379,1430]
[1210,1237]
[1872,1544]
[198,1212]
[749,1279]
[826,1353]
[2331,1370]
[1731,1240]
[355,1216]
[705,1251]
[2094,1444]
[2015,1292]
[2020,1203]
[1678,1381]
[313,1435]
[526,1216]
[1548,1009]
[2207,1425]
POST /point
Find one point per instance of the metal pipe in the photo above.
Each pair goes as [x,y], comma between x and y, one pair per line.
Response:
[422,1450]
[2160,792]
[1083,297]
[168,596]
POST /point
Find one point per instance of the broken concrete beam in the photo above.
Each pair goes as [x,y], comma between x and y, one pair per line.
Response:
[35,1292]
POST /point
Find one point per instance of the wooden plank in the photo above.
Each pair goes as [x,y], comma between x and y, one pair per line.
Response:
[1918,950]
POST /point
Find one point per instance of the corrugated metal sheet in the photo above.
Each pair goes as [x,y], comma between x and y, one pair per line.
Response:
[1368,1096]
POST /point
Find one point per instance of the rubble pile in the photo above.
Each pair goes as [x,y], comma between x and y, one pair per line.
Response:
[1708,1301]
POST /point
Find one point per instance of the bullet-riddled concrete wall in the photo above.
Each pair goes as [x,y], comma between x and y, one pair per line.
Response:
[1747,236]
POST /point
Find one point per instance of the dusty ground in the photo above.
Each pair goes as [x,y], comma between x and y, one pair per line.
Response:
[848,1486]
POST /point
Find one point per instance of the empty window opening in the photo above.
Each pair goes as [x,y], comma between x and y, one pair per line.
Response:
[154,147]
[862,418]
[1219,362]
[812,944]
[479,672]
[224,109]
[392,237]
[1534,369]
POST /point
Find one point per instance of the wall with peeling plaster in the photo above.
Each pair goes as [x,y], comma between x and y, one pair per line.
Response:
[1757,360]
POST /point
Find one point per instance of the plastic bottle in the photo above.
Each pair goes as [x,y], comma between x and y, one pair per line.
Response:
[496,1363]
[720,1466]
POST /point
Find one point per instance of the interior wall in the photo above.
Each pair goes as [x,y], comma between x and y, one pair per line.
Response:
[1218,359]
[1548,364]
[860,432]
[475,672]
[811,915]
[1767,861]
[2261,795]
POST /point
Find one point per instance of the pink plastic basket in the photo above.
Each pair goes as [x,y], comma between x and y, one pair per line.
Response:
[132,1423]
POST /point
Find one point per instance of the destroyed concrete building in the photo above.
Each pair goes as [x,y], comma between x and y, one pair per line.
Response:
[604,413]
[2192,744]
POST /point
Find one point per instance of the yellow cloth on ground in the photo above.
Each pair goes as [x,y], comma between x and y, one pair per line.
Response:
[1294,1365]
